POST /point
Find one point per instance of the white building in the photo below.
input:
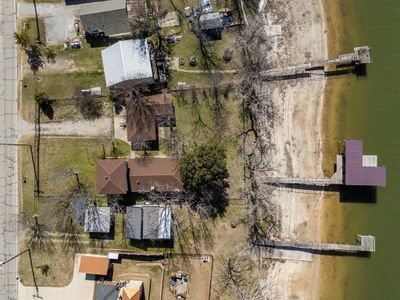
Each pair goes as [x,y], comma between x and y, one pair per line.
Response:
[127,60]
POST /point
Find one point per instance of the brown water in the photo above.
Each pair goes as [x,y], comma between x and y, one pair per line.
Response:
[364,108]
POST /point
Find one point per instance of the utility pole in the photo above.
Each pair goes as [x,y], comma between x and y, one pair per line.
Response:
[35,171]
[37,24]
[2,263]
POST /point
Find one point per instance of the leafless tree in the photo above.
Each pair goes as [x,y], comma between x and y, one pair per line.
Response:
[38,236]
[89,105]
[237,275]
[174,144]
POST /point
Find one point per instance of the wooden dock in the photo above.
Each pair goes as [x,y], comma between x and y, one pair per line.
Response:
[360,56]
[336,179]
[365,243]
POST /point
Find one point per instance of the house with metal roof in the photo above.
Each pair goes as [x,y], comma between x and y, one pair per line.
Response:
[97,219]
[154,173]
[127,61]
[133,222]
[111,176]
[361,169]
[94,264]
[148,222]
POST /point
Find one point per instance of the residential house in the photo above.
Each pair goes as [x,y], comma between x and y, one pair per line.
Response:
[142,131]
[127,61]
[142,175]
[148,222]
[154,173]
[212,25]
[97,219]
[111,176]
[105,18]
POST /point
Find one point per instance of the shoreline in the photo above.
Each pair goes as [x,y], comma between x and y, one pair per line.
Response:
[298,141]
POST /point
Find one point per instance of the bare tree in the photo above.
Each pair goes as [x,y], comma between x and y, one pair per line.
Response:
[237,275]
[38,236]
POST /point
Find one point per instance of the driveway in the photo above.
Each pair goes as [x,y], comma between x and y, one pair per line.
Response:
[59,19]
[79,288]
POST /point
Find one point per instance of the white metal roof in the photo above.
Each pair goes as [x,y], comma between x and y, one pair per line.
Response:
[126,60]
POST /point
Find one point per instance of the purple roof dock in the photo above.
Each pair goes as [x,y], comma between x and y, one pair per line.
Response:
[362,170]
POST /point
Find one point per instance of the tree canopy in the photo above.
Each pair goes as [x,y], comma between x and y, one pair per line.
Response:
[205,174]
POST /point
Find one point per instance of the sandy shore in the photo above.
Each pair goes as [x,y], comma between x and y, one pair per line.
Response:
[297,148]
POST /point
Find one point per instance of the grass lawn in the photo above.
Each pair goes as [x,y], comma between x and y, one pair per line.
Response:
[189,45]
[60,268]
[58,158]
[59,87]
[199,120]
[73,67]
[29,24]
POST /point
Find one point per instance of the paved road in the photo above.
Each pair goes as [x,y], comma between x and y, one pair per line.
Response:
[8,155]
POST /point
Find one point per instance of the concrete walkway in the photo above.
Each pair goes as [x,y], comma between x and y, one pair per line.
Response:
[79,288]
[99,128]
[8,154]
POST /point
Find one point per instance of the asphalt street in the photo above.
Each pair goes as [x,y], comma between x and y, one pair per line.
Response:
[8,154]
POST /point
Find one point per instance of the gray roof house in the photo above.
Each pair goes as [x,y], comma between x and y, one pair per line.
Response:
[127,60]
[156,222]
[211,21]
[97,219]
[133,222]
[148,222]
[109,16]
[114,23]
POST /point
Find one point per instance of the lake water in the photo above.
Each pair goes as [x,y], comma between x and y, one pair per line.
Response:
[366,108]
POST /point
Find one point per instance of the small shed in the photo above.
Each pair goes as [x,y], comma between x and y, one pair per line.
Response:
[97,219]
[127,60]
[94,264]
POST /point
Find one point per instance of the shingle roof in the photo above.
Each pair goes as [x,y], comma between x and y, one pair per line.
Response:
[113,23]
[111,176]
[355,172]
[97,219]
[160,173]
[127,60]
[144,129]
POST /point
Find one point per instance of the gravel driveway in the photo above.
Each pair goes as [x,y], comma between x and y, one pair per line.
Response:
[58,18]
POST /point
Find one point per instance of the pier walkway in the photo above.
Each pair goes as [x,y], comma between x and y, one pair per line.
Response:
[360,56]
[365,243]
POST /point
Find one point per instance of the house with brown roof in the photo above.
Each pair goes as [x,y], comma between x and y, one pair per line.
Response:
[120,176]
[111,176]
[154,173]
[143,132]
